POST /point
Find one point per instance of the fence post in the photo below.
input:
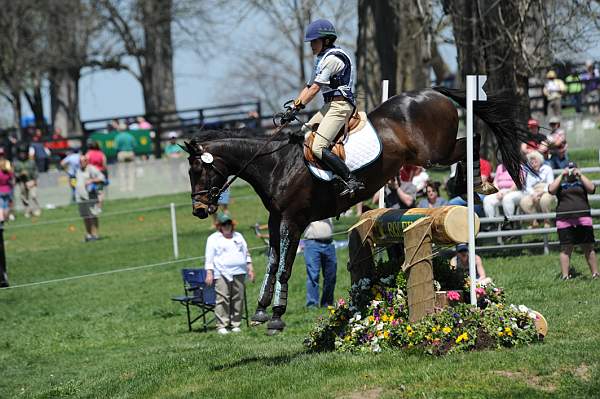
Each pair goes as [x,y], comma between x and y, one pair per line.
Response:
[174,231]
[546,245]
[3,274]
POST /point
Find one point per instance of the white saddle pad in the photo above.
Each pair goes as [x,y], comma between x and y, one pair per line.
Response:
[362,149]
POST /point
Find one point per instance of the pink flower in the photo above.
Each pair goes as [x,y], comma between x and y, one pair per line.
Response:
[453,295]
[480,291]
[341,302]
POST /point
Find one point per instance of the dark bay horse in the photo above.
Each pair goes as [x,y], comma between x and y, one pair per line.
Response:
[416,128]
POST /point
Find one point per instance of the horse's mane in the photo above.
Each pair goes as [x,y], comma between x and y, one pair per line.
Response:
[256,134]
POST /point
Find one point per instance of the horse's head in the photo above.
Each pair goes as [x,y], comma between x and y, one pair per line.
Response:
[208,174]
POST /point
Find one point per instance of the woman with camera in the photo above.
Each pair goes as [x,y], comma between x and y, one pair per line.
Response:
[573,217]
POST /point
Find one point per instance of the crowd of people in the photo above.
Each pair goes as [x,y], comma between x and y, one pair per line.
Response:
[578,87]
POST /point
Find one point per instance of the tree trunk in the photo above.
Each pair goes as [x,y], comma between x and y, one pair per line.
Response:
[414,44]
[64,101]
[16,104]
[157,66]
[35,101]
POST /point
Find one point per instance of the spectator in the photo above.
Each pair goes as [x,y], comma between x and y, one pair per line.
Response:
[143,123]
[115,125]
[173,150]
[70,164]
[38,152]
[507,195]
[319,254]
[559,158]
[26,177]
[536,197]
[461,263]
[433,199]
[227,262]
[573,217]
[574,89]
[553,91]
[532,145]
[486,170]
[97,158]
[58,146]
[125,145]
[7,184]
[398,194]
[87,179]
[590,81]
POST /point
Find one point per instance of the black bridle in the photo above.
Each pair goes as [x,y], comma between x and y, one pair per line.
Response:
[213,193]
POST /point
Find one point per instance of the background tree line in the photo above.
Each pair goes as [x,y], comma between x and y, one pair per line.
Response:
[47,45]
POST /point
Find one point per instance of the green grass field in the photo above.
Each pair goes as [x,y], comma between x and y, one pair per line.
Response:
[119,336]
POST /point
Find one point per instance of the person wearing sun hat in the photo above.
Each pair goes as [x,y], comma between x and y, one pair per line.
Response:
[227,262]
[554,88]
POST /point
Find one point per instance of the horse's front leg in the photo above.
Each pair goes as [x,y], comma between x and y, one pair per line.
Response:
[288,243]
[268,285]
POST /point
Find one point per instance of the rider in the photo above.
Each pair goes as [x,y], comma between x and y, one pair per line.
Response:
[333,75]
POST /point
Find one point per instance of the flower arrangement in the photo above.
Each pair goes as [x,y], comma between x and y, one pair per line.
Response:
[376,318]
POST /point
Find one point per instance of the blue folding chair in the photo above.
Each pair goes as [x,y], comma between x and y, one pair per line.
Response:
[198,294]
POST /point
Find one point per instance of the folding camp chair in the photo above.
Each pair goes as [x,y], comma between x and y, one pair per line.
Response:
[198,294]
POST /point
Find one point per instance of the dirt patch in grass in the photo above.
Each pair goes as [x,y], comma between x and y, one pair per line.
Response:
[373,393]
[583,372]
[533,381]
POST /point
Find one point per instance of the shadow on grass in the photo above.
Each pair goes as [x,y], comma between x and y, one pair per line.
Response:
[263,360]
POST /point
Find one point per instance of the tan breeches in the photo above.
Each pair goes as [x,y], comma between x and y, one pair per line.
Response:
[331,119]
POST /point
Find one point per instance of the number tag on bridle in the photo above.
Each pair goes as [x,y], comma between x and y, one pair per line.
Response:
[207,158]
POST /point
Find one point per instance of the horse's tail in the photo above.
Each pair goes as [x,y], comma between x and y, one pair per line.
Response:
[500,114]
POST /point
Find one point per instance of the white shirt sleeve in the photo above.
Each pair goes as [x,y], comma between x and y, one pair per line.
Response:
[209,254]
[245,249]
[330,66]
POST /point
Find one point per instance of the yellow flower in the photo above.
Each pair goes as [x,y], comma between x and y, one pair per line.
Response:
[500,333]
[384,317]
[378,297]
[462,337]
[433,329]
[428,337]
[347,338]
[508,331]
[446,330]
[391,318]
[409,328]
[386,334]
[371,318]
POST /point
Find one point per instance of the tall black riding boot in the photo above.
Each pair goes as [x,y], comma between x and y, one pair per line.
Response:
[481,187]
[341,170]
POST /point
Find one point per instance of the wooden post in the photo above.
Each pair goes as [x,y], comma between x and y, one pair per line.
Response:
[419,269]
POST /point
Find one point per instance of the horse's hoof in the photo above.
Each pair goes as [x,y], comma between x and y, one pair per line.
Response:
[276,324]
[259,317]
[485,189]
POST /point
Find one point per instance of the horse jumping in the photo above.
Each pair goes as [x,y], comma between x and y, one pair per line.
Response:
[415,128]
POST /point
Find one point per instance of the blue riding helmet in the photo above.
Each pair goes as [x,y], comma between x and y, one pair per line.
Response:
[319,29]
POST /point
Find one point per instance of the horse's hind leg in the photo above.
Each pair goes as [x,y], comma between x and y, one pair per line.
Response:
[266,290]
[289,238]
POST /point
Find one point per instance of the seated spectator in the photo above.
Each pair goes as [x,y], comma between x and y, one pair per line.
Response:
[460,200]
[508,196]
[532,145]
[573,217]
[536,198]
[559,158]
[461,263]
[227,262]
[433,199]
[398,194]
[172,149]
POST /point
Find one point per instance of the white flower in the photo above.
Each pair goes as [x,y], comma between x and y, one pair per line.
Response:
[376,348]
[523,308]
[379,326]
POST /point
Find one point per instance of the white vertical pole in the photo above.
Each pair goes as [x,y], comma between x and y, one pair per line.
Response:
[474,93]
[174,231]
[384,97]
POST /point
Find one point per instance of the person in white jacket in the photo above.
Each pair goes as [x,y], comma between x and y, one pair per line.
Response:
[227,262]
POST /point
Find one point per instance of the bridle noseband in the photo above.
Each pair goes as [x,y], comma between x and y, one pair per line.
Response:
[213,193]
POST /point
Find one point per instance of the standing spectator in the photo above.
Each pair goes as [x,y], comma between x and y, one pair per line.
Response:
[433,199]
[7,184]
[70,164]
[573,217]
[87,179]
[38,152]
[507,195]
[590,81]
[319,254]
[97,158]
[172,149]
[553,91]
[143,124]
[536,197]
[227,262]
[574,89]
[125,145]
[26,176]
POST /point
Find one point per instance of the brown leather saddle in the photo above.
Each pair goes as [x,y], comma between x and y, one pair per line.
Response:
[356,122]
